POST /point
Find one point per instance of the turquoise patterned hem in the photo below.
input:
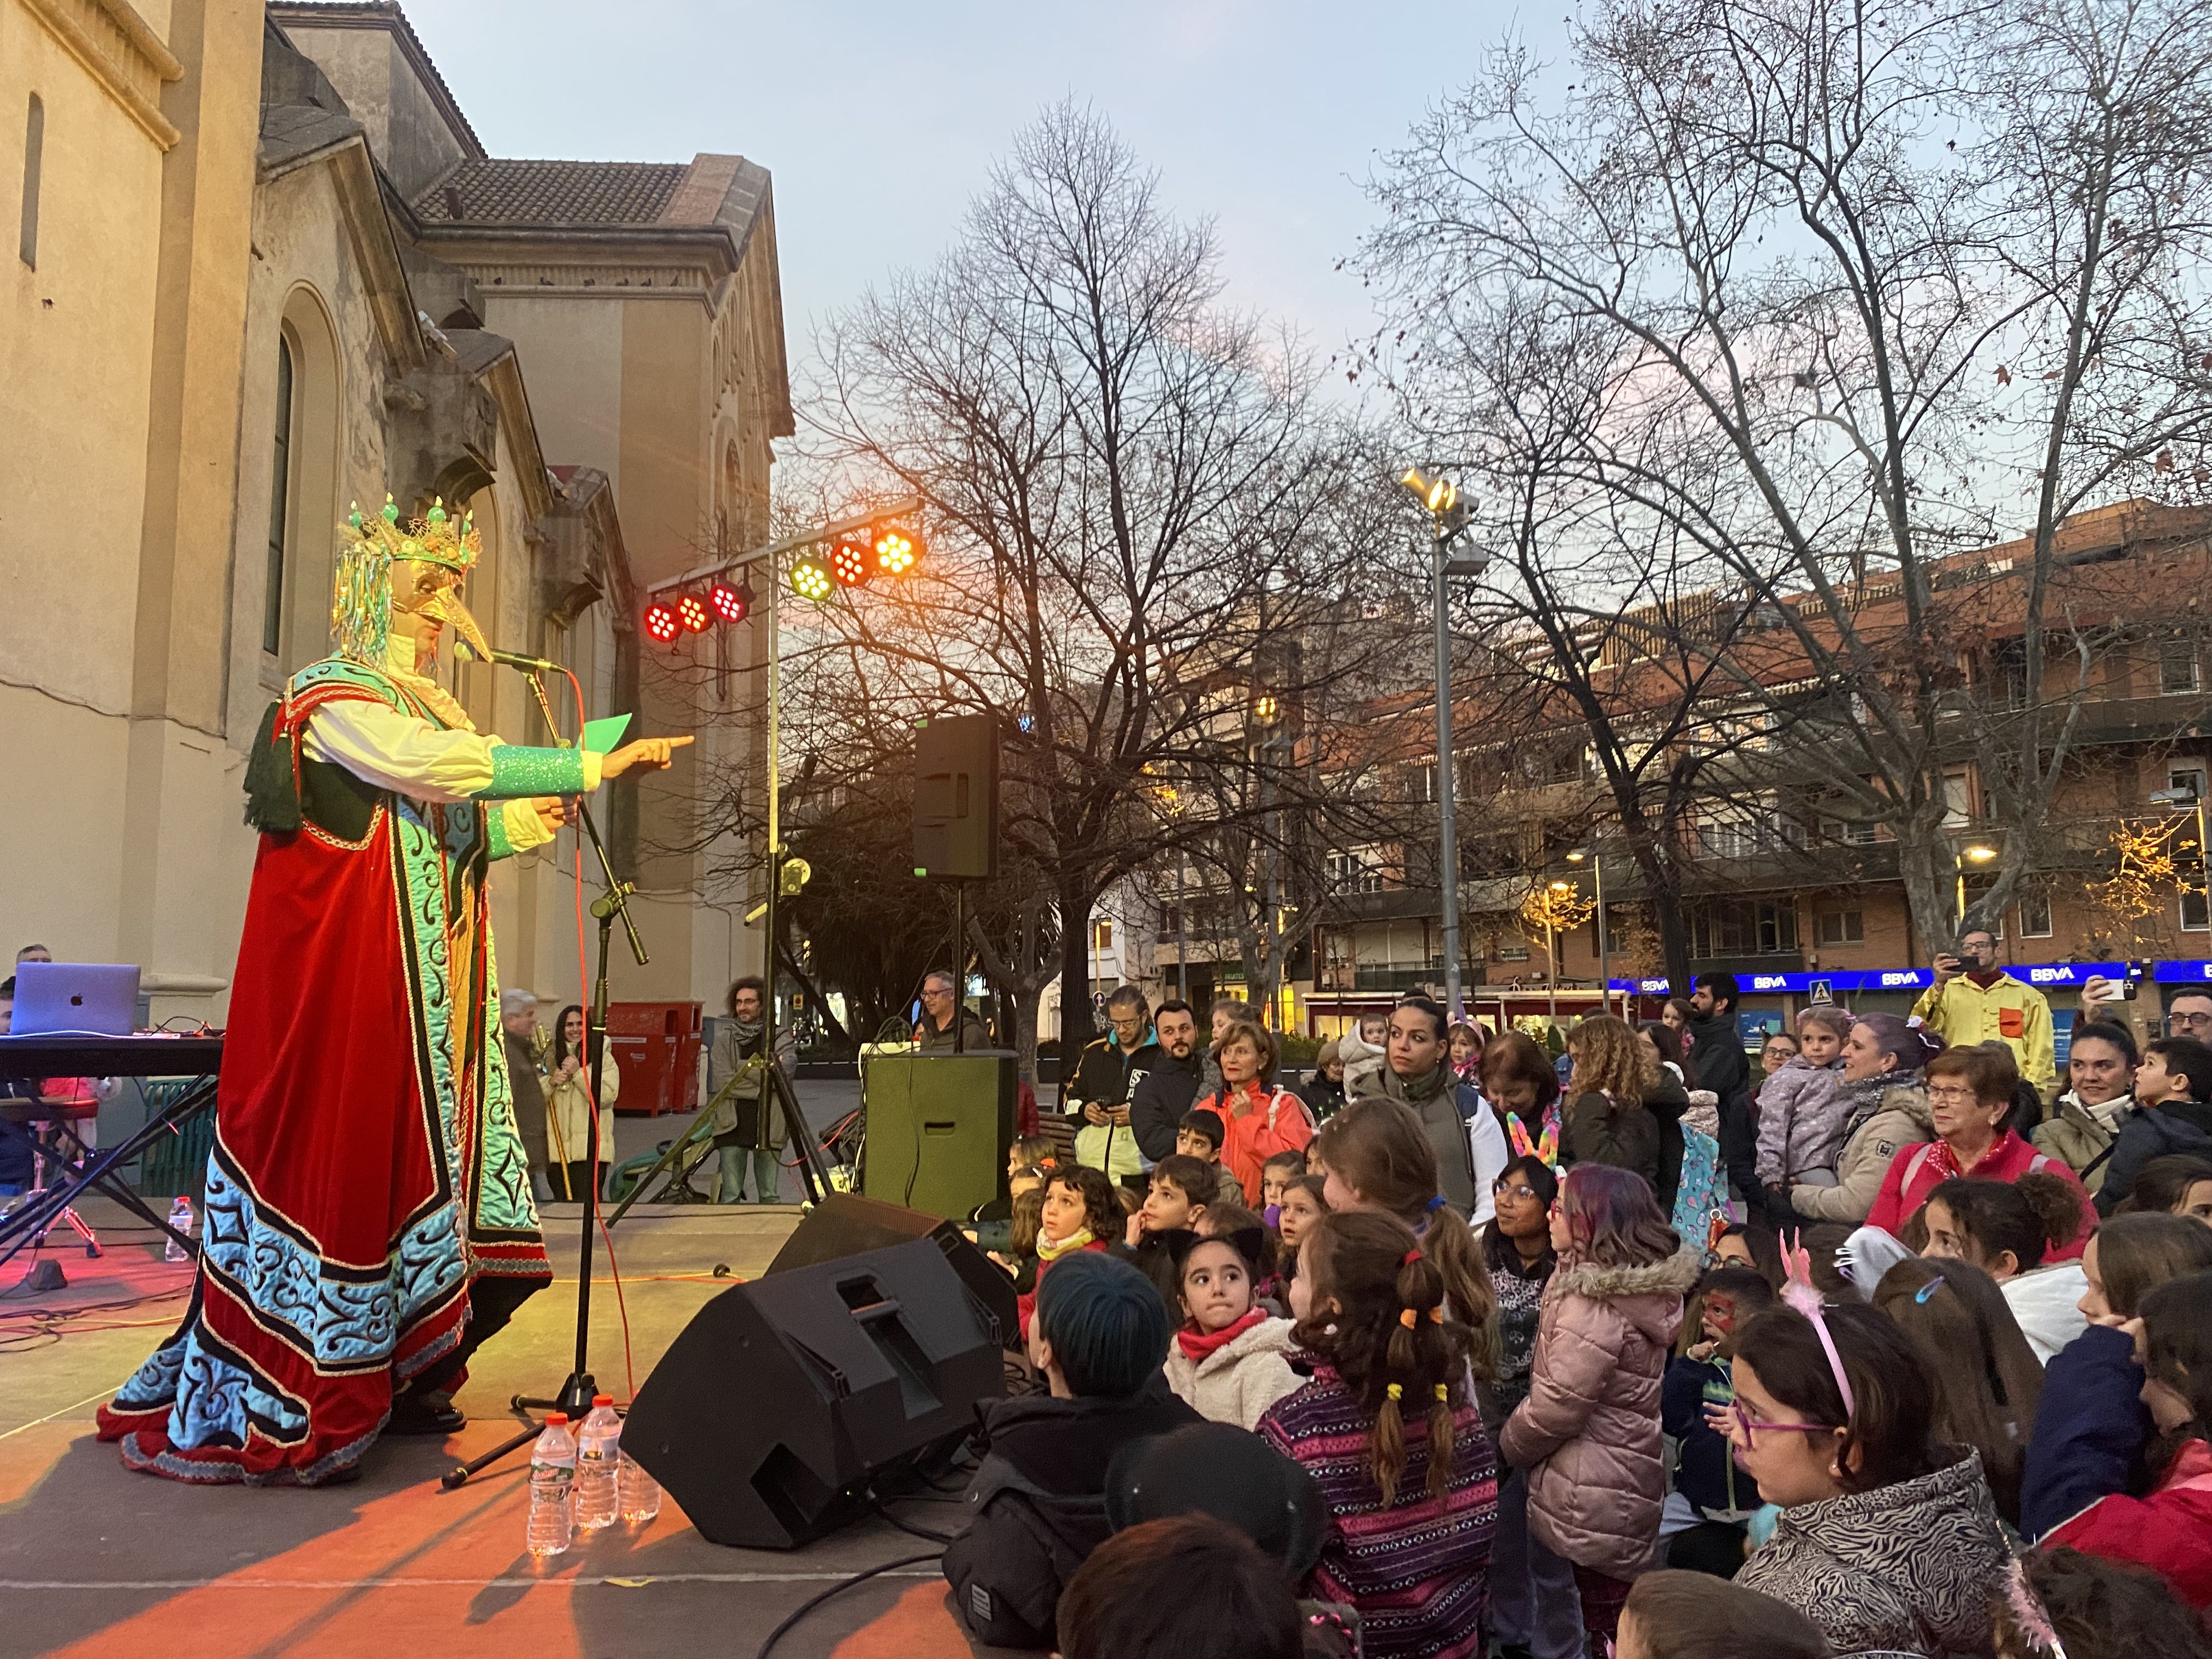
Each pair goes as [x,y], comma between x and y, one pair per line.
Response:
[518,773]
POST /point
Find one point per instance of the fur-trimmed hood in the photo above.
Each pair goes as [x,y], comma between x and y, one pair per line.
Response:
[1648,1297]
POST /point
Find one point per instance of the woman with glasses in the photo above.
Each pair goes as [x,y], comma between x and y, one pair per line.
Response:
[1971,1106]
[1888,1538]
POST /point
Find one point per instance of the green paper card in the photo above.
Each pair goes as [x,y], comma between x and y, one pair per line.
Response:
[601,736]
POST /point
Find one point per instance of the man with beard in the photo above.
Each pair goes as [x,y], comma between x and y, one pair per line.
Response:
[1165,1092]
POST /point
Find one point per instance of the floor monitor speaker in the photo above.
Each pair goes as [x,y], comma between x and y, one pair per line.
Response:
[845,1224]
[938,1128]
[783,1399]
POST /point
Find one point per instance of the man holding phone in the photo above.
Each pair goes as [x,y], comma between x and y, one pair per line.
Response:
[1974,1000]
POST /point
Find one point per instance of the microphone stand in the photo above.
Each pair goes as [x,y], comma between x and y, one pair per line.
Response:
[577,1391]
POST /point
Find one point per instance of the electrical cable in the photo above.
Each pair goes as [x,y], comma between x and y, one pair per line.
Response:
[876,1503]
[838,1588]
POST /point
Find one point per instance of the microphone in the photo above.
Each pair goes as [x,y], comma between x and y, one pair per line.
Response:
[527,665]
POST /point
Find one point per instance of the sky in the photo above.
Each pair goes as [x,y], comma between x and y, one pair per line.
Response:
[879,121]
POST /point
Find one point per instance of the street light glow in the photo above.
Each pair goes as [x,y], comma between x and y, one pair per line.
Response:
[1981,854]
[1438,495]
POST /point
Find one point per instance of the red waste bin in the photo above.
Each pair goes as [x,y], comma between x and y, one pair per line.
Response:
[657,1046]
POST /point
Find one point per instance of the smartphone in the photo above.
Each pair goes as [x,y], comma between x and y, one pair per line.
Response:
[2131,984]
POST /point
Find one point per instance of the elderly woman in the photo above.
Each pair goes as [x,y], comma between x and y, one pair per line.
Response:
[1970,1106]
[1323,1092]
[1884,1108]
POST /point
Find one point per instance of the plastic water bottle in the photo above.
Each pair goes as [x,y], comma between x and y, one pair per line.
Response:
[638,1492]
[180,1217]
[599,1446]
[552,1489]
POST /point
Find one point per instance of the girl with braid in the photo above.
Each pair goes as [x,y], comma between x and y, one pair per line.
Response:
[1389,1430]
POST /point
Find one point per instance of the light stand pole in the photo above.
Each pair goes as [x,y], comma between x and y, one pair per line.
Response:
[1604,940]
[1447,518]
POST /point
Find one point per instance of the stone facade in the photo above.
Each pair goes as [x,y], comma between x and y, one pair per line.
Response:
[237,319]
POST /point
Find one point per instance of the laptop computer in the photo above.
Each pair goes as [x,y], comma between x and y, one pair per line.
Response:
[75,999]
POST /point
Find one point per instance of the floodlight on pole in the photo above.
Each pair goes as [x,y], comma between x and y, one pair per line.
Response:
[896,549]
[852,560]
[810,579]
[1439,495]
[691,611]
[660,621]
[731,603]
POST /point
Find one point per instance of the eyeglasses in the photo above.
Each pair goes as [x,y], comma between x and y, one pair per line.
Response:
[1516,1190]
[1739,1414]
[1952,1096]
[2189,1023]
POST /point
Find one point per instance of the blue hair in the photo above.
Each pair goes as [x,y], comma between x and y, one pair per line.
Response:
[1108,1326]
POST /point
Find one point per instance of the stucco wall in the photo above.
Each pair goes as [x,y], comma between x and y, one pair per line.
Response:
[77,353]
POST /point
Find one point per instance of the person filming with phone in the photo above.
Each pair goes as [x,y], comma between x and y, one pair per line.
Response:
[1974,1000]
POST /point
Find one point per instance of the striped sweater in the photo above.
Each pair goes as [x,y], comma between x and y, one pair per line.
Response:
[1418,1570]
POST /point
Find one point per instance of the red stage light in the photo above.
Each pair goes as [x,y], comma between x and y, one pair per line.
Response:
[732,604]
[691,611]
[660,622]
[849,561]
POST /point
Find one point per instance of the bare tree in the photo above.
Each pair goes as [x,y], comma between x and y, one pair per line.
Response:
[1116,471]
[1867,277]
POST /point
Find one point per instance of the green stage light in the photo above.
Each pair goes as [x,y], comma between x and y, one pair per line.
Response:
[810,579]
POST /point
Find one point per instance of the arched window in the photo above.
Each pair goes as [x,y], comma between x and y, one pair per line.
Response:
[34,146]
[280,500]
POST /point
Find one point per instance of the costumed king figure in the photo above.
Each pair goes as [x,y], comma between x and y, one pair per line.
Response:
[368,1219]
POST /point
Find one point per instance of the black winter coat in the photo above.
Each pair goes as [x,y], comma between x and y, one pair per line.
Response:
[1158,1104]
[1038,1504]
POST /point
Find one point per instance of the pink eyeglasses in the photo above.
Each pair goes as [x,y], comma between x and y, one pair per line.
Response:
[1738,1413]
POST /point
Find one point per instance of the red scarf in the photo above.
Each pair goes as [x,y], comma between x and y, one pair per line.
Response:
[1198,1346]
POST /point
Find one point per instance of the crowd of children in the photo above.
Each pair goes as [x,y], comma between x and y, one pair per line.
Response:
[1579,1422]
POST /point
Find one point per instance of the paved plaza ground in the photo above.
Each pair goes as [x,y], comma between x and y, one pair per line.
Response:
[96,1560]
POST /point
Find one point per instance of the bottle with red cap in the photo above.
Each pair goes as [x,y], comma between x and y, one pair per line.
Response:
[552,1489]
[599,1444]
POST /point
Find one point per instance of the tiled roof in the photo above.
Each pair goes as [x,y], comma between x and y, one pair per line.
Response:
[502,193]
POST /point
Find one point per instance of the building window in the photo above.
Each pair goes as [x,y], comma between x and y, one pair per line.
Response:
[2193,917]
[280,490]
[34,148]
[1851,832]
[2191,778]
[1170,918]
[1105,935]
[1512,948]
[2177,667]
[1356,870]
[1841,927]
[1957,798]
[1743,928]
[2035,915]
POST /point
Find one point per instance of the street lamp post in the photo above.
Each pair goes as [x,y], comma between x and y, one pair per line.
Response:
[1604,943]
[1980,853]
[1447,518]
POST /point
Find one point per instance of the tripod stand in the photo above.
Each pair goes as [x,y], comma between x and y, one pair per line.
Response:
[576,1391]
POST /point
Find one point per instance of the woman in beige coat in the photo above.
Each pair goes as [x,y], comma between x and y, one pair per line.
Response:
[1885,1109]
[1588,1431]
[568,1110]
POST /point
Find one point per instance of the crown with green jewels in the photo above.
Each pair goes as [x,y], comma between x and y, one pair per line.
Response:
[361,602]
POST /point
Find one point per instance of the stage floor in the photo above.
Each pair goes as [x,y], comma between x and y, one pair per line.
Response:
[96,1560]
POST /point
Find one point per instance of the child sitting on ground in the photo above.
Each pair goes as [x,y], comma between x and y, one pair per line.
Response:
[1080,1212]
[1302,1205]
[1039,1496]
[1227,1357]
[1201,1135]
[1019,1258]
[1686,1615]
[1276,1174]
[1388,1428]
[1713,1499]
[1801,1115]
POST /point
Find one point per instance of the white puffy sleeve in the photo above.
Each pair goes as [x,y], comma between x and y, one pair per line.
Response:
[412,757]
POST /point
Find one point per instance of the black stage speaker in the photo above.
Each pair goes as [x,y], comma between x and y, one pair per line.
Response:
[783,1397]
[845,1224]
[956,798]
[938,1128]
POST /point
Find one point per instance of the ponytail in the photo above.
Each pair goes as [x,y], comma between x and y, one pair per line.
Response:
[1451,1244]
[1389,1336]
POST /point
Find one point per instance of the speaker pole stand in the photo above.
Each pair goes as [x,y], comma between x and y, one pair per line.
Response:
[959,964]
[578,1389]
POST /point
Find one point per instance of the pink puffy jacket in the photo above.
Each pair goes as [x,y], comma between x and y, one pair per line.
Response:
[1589,1432]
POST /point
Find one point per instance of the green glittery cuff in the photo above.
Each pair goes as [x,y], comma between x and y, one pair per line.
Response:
[495,832]
[518,773]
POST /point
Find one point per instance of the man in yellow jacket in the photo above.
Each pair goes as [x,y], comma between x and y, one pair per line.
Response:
[1974,1000]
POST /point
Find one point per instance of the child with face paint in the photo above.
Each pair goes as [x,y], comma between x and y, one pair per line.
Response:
[1712,1500]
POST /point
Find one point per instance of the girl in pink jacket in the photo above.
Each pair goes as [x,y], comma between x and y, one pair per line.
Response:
[1588,1431]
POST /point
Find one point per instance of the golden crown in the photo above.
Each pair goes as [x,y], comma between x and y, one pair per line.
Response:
[361,600]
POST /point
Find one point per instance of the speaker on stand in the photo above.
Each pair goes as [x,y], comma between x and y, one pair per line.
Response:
[785,1399]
